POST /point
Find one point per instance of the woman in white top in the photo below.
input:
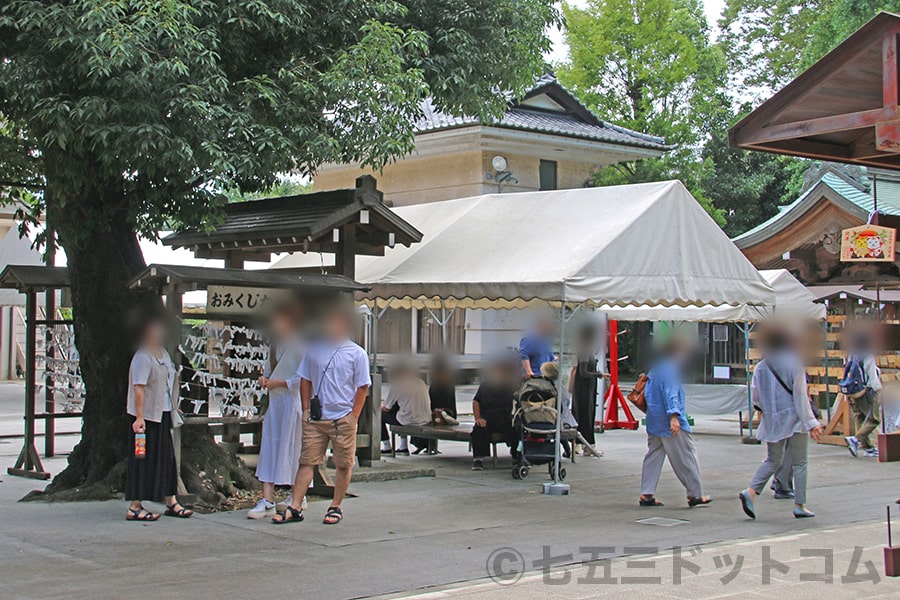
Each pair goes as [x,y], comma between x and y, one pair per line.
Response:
[279,452]
[152,400]
[779,391]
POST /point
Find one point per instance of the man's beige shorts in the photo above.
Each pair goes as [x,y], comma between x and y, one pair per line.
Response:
[342,436]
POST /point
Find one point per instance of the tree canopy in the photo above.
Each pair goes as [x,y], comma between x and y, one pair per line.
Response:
[119,117]
[649,65]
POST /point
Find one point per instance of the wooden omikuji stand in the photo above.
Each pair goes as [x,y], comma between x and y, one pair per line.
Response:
[31,280]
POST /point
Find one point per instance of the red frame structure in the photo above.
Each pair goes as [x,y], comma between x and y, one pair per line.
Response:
[614,398]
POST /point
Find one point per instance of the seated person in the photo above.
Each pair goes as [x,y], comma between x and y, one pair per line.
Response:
[493,407]
[442,391]
[407,403]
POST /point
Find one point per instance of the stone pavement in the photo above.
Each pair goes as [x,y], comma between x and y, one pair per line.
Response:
[412,535]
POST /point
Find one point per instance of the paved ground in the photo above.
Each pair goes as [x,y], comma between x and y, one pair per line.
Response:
[428,533]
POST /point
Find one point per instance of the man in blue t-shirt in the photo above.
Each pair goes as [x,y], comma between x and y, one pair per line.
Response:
[536,347]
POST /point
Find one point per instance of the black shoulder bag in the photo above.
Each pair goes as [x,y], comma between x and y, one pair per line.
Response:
[815,409]
[315,404]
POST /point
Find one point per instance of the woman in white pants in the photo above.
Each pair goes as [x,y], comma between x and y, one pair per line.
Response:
[779,391]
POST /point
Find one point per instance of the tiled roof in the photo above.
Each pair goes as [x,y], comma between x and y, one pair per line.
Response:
[544,121]
[888,203]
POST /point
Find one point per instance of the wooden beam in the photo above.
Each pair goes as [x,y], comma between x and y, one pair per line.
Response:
[890,90]
[887,136]
[820,126]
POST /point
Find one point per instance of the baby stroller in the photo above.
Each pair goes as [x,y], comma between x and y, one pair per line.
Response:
[534,423]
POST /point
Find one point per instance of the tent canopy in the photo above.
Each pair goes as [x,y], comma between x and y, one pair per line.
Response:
[632,245]
[792,300]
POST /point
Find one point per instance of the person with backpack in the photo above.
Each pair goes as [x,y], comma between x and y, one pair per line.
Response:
[668,431]
[861,386]
[779,391]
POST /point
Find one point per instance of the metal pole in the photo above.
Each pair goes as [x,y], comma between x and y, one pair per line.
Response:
[746,329]
[557,488]
[49,351]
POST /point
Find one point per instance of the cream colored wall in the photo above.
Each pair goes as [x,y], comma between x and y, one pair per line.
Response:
[526,169]
[415,180]
[418,180]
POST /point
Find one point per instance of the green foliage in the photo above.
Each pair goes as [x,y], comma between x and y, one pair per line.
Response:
[285,186]
[649,65]
[748,186]
[771,41]
[147,107]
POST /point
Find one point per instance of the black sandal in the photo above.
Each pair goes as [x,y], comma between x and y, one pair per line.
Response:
[334,514]
[651,501]
[290,515]
[692,502]
[181,512]
[136,515]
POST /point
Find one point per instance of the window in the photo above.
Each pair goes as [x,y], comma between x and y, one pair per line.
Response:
[548,175]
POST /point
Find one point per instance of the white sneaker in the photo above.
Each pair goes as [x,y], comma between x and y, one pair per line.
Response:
[282,506]
[262,510]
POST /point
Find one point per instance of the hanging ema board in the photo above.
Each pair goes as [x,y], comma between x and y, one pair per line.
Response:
[868,243]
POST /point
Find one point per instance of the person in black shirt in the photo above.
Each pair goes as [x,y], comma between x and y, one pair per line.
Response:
[583,382]
[442,390]
[493,407]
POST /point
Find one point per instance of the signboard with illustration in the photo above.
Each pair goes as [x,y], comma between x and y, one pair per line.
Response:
[868,243]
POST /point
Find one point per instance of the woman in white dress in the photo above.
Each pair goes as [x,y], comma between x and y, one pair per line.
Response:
[279,452]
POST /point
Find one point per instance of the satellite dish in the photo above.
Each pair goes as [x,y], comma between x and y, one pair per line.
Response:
[499,163]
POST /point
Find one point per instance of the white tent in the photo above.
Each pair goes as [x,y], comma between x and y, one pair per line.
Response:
[792,300]
[15,250]
[645,244]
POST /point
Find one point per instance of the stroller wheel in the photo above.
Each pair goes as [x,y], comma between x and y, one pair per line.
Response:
[523,472]
[515,472]
[562,473]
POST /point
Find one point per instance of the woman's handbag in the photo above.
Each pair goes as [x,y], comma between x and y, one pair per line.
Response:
[177,418]
[636,396]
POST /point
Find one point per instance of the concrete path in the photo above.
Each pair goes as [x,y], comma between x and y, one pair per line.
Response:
[403,536]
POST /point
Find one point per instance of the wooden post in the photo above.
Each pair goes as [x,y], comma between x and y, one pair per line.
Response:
[345,256]
[49,352]
[231,428]
[29,464]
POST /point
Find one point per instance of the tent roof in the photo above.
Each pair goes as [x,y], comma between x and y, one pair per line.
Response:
[639,244]
[792,299]
[15,250]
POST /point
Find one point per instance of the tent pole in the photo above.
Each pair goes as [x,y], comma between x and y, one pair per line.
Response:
[749,387]
[556,487]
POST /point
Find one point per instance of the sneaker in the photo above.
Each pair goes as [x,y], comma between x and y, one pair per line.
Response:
[871,453]
[263,509]
[477,465]
[449,420]
[852,445]
[402,451]
[282,506]
[385,448]
[781,494]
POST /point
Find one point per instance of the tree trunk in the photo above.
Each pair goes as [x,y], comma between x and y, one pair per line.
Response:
[103,306]
[101,261]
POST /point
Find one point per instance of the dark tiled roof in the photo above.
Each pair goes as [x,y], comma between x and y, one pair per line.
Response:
[202,277]
[574,121]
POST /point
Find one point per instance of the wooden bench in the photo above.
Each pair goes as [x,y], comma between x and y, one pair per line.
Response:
[454,433]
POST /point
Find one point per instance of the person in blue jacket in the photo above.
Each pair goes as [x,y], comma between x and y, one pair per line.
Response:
[536,347]
[668,431]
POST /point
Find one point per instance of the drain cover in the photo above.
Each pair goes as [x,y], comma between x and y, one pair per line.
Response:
[662,521]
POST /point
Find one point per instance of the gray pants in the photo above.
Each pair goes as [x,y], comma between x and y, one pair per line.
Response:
[682,456]
[784,478]
[799,443]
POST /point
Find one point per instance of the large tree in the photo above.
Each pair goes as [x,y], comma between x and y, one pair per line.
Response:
[770,42]
[748,187]
[120,117]
[649,65]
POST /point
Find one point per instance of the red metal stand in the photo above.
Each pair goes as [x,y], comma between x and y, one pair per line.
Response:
[614,398]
